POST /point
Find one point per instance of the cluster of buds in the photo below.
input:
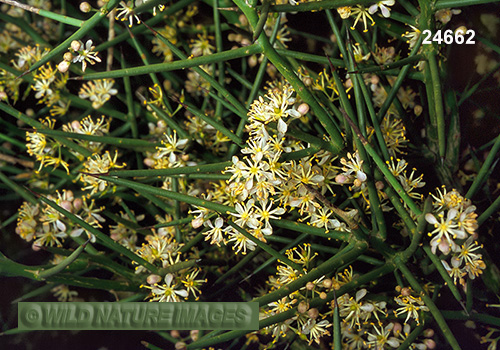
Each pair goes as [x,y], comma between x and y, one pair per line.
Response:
[78,52]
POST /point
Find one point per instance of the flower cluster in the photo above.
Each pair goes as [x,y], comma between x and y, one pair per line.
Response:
[162,249]
[79,52]
[98,92]
[89,126]
[48,227]
[363,321]
[45,149]
[262,187]
[98,164]
[454,234]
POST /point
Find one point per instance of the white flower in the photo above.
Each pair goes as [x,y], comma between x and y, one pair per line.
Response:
[315,330]
[166,292]
[216,232]
[444,230]
[386,12]
[86,55]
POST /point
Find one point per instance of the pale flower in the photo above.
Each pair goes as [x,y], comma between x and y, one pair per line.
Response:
[86,54]
[382,5]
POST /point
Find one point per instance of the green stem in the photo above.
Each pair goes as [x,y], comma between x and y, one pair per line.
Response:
[444,4]
[287,71]
[318,5]
[280,257]
[385,170]
[197,169]
[489,211]
[18,189]
[133,143]
[485,169]
[483,318]
[438,317]
[104,239]
[347,255]
[44,13]
[308,57]
[169,194]
[444,274]
[84,29]
[438,102]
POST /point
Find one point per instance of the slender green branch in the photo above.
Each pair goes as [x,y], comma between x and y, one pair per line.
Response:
[280,257]
[168,194]
[438,317]
[84,29]
[444,4]
[44,13]
[196,169]
[485,169]
[104,239]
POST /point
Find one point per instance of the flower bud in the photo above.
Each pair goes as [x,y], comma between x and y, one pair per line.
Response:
[252,61]
[245,42]
[243,20]
[303,108]
[313,313]
[397,328]
[341,179]
[327,283]
[197,222]
[63,66]
[429,333]
[76,45]
[85,7]
[461,30]
[309,286]
[322,295]
[194,334]
[68,56]
[418,109]
[36,247]
[303,307]
[307,81]
[148,162]
[175,334]
[431,344]
[405,292]
[67,205]
[77,204]
[180,346]
[153,279]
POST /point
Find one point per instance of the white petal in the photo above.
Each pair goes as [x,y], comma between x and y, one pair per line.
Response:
[431,219]
[393,342]
[219,222]
[361,176]
[61,226]
[385,11]
[168,279]
[182,293]
[77,232]
[360,294]
[452,213]
[373,9]
[282,127]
